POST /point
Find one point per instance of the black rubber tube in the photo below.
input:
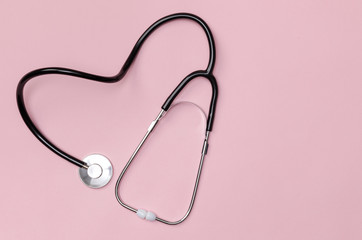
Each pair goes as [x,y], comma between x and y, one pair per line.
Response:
[207,73]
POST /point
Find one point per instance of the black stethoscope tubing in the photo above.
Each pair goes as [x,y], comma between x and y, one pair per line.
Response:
[207,73]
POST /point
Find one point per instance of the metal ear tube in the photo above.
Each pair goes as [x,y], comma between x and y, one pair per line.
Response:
[148,215]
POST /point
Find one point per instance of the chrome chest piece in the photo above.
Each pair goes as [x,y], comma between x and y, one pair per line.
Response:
[98,173]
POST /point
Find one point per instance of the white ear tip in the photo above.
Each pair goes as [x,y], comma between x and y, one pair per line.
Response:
[150,216]
[141,213]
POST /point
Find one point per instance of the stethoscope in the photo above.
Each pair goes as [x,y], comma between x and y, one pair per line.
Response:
[96,170]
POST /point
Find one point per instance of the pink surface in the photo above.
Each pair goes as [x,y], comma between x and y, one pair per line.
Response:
[285,156]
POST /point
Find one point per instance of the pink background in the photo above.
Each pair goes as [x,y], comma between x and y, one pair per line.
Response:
[285,156]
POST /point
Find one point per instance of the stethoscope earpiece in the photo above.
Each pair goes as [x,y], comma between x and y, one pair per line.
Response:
[98,173]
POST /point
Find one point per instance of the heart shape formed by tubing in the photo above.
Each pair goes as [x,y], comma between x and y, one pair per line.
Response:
[96,169]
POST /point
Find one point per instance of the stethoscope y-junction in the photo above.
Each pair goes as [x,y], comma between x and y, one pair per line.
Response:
[96,170]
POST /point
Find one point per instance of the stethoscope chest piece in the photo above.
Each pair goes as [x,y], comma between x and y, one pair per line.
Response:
[98,173]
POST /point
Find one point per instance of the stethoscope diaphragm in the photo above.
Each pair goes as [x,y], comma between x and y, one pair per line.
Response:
[98,173]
